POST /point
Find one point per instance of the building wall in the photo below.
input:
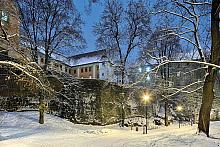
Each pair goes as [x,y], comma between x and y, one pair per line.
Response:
[106,72]
[54,65]
[90,71]
[11,27]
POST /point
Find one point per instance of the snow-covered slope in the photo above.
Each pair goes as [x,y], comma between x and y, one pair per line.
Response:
[21,129]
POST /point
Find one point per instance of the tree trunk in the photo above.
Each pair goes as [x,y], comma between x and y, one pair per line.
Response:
[46,58]
[166,118]
[207,100]
[123,96]
[123,116]
[41,110]
[208,92]
[35,54]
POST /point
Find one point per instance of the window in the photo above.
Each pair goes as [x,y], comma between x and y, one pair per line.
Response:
[81,70]
[74,71]
[103,74]
[90,68]
[4,16]
[97,67]
[61,67]
[69,71]
[86,69]
[66,69]
[42,60]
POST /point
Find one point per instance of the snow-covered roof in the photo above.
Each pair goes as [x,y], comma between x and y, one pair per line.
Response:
[80,59]
[60,58]
[84,60]
[87,58]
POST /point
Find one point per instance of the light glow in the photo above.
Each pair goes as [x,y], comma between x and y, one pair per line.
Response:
[179,108]
[146,97]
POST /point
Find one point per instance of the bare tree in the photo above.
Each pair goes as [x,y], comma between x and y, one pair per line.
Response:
[121,31]
[53,25]
[162,43]
[191,16]
[21,72]
[30,29]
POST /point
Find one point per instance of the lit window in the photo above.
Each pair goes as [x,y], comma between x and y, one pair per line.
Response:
[148,69]
[4,16]
[140,70]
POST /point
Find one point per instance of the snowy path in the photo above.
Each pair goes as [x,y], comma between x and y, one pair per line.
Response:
[22,130]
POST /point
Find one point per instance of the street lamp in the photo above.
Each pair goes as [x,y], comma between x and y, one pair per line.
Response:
[179,109]
[146,99]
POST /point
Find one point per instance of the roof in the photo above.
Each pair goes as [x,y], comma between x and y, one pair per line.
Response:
[89,54]
[80,59]
[87,58]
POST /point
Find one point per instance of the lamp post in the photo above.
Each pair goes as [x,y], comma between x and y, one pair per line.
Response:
[179,109]
[146,99]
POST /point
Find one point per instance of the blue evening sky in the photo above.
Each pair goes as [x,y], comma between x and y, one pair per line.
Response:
[89,21]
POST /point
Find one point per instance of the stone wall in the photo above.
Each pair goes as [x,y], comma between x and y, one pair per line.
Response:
[88,101]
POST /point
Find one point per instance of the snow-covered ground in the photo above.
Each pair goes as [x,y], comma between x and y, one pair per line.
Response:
[21,129]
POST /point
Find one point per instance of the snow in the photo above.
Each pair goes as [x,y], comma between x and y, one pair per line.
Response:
[85,60]
[73,61]
[61,58]
[21,129]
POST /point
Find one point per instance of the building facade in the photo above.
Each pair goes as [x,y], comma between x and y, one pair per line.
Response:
[91,65]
